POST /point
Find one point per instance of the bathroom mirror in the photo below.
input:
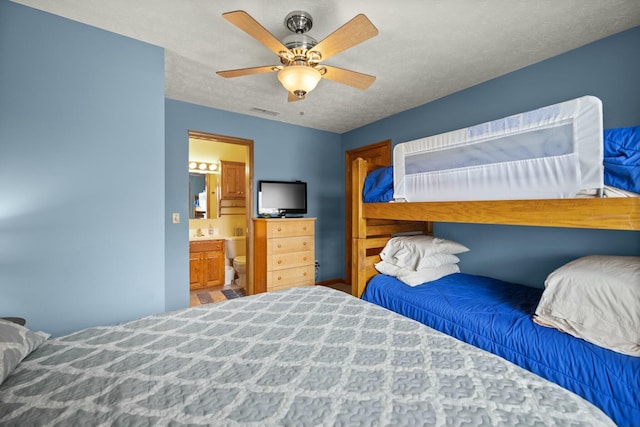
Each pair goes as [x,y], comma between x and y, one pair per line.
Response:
[203,200]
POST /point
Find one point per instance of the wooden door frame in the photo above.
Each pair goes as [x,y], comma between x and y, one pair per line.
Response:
[248,196]
[351,155]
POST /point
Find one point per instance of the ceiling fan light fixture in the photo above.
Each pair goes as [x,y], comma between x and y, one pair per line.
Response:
[299,79]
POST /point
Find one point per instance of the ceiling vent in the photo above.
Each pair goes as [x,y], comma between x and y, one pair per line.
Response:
[263,111]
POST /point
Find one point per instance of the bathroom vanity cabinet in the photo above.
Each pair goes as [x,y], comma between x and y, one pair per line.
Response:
[284,253]
[206,263]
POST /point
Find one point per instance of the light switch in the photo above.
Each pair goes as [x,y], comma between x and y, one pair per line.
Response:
[175,218]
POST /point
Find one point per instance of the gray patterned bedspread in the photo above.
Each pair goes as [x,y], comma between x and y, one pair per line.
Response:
[303,356]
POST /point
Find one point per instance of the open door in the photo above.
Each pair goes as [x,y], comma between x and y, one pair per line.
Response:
[379,154]
[245,180]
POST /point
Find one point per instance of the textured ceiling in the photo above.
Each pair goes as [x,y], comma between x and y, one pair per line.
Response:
[425,49]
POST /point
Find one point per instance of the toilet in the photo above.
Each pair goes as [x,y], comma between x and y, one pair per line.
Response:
[235,251]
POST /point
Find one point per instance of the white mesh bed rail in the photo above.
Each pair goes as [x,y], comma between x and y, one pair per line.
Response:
[549,153]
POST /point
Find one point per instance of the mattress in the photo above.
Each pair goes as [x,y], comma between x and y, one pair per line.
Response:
[302,356]
[548,153]
[497,316]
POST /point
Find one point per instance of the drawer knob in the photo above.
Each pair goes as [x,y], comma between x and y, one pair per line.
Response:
[304,274]
[304,243]
[279,277]
[279,229]
[304,228]
[304,258]
[279,245]
[279,261]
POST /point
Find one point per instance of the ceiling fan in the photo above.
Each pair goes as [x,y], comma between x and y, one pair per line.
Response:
[301,56]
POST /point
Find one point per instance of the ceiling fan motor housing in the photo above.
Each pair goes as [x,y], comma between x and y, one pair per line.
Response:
[299,41]
[298,21]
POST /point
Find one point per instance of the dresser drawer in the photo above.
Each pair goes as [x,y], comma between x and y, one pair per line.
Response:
[294,276]
[289,260]
[290,228]
[290,244]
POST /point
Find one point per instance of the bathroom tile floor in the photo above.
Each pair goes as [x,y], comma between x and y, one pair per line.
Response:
[214,294]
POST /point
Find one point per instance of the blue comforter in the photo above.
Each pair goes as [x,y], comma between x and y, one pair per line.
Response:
[378,185]
[496,316]
[622,159]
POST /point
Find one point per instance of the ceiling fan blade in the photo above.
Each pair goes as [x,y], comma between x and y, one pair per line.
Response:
[248,71]
[246,23]
[348,77]
[350,34]
[293,97]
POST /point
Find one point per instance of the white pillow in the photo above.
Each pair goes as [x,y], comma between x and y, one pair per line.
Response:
[596,298]
[435,260]
[414,252]
[16,342]
[412,277]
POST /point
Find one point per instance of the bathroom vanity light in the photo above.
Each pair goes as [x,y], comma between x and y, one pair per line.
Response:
[202,167]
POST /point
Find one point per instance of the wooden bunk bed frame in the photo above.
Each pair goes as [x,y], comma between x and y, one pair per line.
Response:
[374,223]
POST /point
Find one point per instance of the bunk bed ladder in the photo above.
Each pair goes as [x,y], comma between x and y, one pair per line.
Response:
[369,235]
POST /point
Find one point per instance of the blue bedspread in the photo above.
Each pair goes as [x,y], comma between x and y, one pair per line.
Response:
[378,185]
[496,316]
[622,159]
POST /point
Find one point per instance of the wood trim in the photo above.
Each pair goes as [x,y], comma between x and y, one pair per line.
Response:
[382,144]
[249,196]
[219,138]
[602,213]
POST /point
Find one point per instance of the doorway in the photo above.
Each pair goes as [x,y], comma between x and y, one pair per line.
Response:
[378,154]
[228,218]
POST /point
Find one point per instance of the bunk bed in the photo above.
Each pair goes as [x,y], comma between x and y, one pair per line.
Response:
[373,224]
[605,378]
[491,314]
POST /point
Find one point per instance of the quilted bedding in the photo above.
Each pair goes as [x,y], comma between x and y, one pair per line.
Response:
[302,356]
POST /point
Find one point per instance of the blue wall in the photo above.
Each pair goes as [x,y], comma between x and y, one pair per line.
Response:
[281,152]
[607,69]
[92,164]
[81,173]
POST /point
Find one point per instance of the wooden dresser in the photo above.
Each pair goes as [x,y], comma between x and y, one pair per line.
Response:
[206,263]
[284,253]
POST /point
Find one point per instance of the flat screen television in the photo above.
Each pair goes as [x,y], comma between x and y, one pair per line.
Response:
[282,198]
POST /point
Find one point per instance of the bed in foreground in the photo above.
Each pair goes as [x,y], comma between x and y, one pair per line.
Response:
[302,356]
